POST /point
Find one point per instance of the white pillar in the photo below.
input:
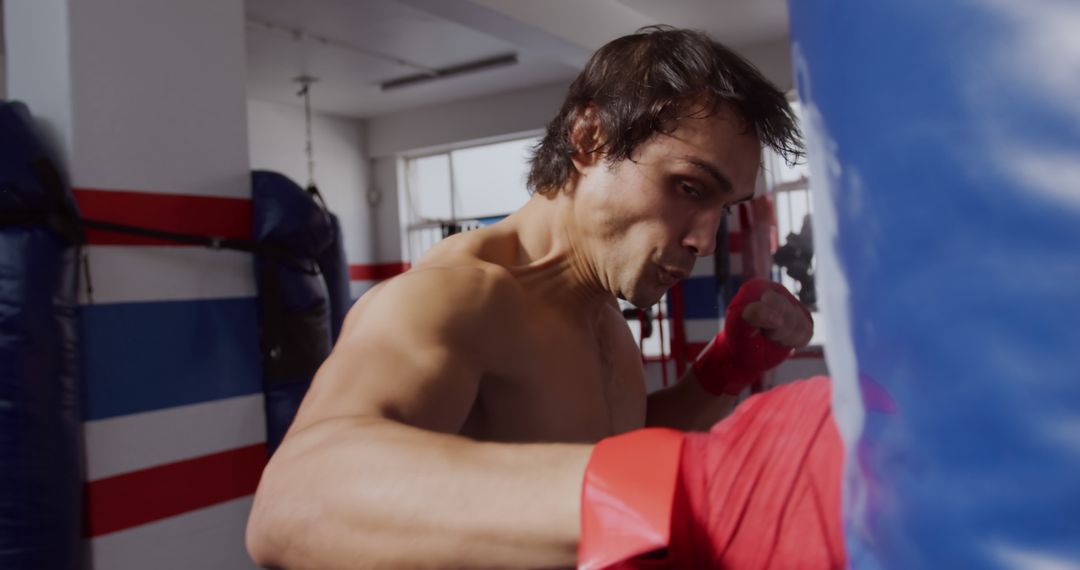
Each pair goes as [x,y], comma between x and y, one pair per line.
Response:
[145,102]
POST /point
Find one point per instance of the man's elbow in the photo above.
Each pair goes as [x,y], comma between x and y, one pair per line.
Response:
[262,537]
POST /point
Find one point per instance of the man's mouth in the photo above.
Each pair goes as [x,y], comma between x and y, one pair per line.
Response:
[671,276]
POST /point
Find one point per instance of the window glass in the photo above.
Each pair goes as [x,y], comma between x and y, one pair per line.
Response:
[429,188]
[780,172]
[461,190]
[489,180]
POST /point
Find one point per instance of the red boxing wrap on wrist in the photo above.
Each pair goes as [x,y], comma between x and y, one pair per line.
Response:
[739,354]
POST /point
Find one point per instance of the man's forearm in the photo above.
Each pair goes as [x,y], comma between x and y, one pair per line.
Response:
[761,325]
[358,493]
[687,406]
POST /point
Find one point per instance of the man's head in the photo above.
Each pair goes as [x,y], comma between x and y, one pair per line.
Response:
[659,133]
[642,84]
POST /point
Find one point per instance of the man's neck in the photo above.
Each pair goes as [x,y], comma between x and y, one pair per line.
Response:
[552,258]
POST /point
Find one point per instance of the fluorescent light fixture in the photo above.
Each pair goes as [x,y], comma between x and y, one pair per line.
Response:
[451,71]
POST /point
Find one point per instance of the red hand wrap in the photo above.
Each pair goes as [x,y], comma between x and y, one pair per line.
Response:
[739,354]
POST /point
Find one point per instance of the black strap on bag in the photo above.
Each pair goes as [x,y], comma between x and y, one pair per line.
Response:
[62,217]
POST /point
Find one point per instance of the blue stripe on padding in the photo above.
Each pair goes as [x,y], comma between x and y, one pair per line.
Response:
[700,298]
[139,357]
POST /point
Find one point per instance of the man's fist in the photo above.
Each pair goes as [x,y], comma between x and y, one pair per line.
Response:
[762,324]
[769,306]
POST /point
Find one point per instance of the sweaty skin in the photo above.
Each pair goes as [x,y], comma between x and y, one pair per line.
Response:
[452,424]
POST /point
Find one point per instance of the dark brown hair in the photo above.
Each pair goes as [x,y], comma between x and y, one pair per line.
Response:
[642,84]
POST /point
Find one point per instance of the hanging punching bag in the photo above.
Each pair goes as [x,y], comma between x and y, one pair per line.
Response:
[335,272]
[40,437]
[294,305]
[943,140]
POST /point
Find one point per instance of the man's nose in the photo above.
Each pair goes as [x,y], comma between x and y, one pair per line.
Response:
[701,239]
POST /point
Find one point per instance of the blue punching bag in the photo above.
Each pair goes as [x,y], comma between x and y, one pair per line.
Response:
[944,144]
[294,305]
[335,272]
[40,437]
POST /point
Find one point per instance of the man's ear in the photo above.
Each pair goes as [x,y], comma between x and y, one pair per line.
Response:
[586,138]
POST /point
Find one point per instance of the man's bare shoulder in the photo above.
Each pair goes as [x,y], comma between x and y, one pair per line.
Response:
[459,293]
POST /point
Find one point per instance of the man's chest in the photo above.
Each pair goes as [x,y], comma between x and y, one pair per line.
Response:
[564,383]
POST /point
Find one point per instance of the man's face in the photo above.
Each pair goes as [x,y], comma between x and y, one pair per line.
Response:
[646,219]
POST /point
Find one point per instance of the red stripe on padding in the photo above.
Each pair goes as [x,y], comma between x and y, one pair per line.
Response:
[734,242]
[178,213]
[136,498]
[377,271]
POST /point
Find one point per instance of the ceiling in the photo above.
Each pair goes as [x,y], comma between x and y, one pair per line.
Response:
[353,46]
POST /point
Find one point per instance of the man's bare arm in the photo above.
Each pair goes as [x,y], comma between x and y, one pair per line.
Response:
[357,493]
[687,406]
[370,474]
[763,323]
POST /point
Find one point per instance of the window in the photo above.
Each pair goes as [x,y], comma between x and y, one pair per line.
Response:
[462,189]
[790,187]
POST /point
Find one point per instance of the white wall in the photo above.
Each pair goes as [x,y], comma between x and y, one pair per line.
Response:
[3,56]
[43,80]
[467,120]
[773,59]
[276,142]
[387,217]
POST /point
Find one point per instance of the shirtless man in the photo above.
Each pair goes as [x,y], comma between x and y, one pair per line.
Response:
[453,423]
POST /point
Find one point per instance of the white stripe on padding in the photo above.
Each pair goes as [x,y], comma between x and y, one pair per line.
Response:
[137,441]
[131,274]
[210,538]
[701,330]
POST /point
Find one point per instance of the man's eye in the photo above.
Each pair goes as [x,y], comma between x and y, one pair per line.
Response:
[727,210]
[690,190]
